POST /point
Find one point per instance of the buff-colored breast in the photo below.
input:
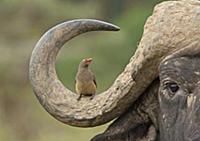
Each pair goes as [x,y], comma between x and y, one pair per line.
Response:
[85,88]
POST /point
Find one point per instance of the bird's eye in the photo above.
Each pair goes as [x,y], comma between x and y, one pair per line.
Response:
[172,87]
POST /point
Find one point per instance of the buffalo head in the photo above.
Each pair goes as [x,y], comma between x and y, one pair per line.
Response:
[171,32]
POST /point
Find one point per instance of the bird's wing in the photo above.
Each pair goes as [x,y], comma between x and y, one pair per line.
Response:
[94,80]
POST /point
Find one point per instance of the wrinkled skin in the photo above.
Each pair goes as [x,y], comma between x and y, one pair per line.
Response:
[175,101]
[179,99]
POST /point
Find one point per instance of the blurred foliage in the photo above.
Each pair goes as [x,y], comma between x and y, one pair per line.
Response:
[23,22]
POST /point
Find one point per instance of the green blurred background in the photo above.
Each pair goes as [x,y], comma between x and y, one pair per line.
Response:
[23,22]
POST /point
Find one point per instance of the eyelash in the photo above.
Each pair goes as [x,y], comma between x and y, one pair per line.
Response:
[171,86]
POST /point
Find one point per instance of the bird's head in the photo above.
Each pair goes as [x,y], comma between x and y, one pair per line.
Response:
[85,62]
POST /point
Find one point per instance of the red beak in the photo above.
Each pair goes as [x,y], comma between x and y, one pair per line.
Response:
[88,61]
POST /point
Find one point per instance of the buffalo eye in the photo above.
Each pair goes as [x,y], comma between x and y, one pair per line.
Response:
[172,87]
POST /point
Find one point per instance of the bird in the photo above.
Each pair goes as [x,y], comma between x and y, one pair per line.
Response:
[85,81]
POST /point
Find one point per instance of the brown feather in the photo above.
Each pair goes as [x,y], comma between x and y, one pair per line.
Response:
[85,83]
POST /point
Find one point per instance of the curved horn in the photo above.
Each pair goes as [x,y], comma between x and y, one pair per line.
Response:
[54,97]
[173,25]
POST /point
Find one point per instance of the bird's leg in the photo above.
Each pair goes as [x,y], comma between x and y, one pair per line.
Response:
[92,96]
[79,98]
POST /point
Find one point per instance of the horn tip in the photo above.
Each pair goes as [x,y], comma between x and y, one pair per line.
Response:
[112,27]
[116,28]
[102,25]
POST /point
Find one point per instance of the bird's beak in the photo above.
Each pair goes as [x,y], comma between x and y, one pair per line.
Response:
[88,61]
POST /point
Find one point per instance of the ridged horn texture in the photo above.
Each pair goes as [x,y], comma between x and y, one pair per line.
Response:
[173,25]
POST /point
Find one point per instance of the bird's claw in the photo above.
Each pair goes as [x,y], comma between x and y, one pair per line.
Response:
[79,98]
[92,96]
